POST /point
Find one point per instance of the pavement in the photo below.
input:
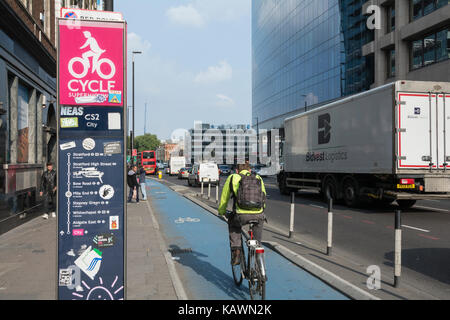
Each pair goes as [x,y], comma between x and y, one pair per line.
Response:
[157,266]
[28,263]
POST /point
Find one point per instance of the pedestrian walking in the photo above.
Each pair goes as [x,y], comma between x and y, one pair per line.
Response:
[142,174]
[133,183]
[48,190]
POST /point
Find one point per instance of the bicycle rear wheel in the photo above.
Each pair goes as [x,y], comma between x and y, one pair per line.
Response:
[239,270]
[256,281]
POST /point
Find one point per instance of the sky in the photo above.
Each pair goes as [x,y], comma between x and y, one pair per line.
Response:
[195,63]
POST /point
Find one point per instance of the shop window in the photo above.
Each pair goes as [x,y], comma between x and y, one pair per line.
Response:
[23,125]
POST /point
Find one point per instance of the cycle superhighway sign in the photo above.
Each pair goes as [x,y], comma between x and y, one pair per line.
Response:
[91,207]
[91,63]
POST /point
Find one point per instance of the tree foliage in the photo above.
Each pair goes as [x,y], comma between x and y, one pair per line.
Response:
[146,142]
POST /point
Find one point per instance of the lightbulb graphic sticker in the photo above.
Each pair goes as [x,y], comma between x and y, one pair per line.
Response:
[101,291]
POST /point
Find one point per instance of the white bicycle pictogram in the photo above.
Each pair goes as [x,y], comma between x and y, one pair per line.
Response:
[95,52]
[188,219]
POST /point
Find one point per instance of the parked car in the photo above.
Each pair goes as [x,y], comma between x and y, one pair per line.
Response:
[183,173]
[206,172]
[224,170]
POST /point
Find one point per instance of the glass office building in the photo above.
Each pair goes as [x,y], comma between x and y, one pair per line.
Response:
[306,52]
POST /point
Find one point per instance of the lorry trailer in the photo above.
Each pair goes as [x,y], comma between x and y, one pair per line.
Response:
[391,143]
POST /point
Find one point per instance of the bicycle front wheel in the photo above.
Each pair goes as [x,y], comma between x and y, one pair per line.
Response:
[256,280]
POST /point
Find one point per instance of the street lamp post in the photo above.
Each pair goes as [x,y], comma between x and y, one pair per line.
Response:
[306,102]
[257,140]
[129,131]
[133,132]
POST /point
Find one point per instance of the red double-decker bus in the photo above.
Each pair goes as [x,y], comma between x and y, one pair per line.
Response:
[147,159]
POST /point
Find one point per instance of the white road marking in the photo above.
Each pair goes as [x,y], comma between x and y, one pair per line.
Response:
[430,208]
[316,206]
[414,228]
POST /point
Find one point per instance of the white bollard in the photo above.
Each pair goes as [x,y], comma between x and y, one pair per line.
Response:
[291,225]
[398,249]
[330,227]
[217,193]
[209,189]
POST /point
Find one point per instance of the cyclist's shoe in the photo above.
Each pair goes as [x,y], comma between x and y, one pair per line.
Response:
[235,257]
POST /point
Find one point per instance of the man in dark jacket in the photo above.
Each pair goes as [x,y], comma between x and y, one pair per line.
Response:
[48,190]
[133,183]
[142,183]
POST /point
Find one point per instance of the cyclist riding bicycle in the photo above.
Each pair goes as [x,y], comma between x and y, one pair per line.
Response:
[249,195]
[94,50]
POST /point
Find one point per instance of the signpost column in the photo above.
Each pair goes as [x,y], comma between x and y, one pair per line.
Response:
[91,150]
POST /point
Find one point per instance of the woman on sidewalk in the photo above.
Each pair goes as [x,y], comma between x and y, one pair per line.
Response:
[142,183]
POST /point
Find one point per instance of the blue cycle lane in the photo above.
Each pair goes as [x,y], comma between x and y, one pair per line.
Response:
[199,244]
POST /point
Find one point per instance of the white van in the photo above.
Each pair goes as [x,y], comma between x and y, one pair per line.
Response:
[175,164]
[206,172]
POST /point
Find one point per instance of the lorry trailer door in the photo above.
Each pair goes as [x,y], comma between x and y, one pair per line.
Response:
[417,131]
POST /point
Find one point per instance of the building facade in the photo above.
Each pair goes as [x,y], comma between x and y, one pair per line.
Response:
[28,56]
[413,41]
[222,144]
[27,102]
[309,52]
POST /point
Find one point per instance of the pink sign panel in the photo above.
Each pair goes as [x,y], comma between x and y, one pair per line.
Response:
[91,63]
[78,232]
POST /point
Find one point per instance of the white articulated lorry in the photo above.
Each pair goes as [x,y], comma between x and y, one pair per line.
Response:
[389,143]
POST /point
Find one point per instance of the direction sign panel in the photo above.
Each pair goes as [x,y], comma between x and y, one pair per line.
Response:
[91,152]
[96,15]
[91,63]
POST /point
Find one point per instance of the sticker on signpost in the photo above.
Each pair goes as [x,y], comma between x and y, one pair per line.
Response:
[88,144]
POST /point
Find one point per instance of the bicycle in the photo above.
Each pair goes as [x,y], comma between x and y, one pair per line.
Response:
[96,67]
[253,268]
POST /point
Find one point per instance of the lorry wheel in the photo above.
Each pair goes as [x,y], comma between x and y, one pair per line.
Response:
[350,190]
[406,204]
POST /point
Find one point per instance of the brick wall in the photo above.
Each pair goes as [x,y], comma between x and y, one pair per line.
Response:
[33,22]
